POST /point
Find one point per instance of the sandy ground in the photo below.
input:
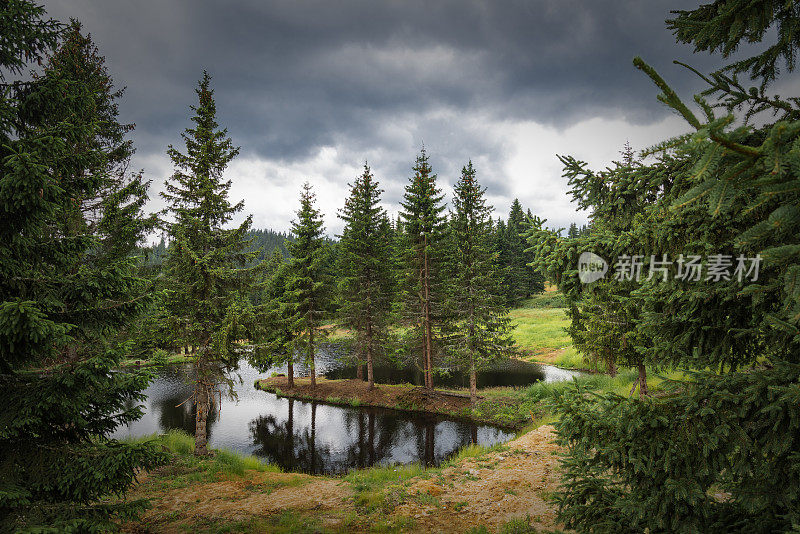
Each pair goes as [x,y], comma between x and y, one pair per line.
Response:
[491,489]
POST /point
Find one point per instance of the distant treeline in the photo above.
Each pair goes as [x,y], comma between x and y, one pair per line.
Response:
[265,240]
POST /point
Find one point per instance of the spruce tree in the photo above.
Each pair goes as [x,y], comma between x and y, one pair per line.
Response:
[729,188]
[205,263]
[521,279]
[366,283]
[573,231]
[308,290]
[67,283]
[424,252]
[605,315]
[483,332]
[272,333]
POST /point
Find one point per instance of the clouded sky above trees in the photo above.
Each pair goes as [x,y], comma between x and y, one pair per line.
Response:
[310,90]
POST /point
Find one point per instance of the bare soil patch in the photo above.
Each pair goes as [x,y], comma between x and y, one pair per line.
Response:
[491,489]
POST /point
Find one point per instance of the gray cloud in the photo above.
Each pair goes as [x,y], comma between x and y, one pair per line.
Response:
[291,75]
[375,79]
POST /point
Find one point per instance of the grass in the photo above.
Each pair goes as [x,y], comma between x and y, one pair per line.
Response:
[288,522]
[381,489]
[223,461]
[514,526]
[540,329]
[472,451]
[570,358]
[526,407]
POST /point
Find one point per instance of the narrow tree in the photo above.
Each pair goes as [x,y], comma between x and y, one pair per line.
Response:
[67,283]
[424,252]
[205,262]
[307,288]
[366,276]
[484,329]
[273,332]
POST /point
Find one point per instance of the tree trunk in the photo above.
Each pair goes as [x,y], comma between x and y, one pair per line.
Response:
[611,367]
[203,405]
[290,371]
[427,308]
[473,383]
[473,378]
[311,364]
[360,371]
[642,381]
[370,374]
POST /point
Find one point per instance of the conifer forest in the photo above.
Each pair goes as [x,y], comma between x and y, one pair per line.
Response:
[486,267]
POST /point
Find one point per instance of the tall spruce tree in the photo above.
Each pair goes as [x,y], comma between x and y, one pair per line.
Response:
[483,333]
[308,291]
[205,262]
[726,193]
[67,283]
[366,284]
[605,315]
[521,279]
[424,251]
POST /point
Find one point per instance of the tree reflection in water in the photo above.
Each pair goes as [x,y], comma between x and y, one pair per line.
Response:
[363,437]
[303,436]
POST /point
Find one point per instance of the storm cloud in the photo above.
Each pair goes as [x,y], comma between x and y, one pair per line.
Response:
[310,90]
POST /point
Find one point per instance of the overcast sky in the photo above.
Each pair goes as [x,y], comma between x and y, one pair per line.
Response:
[310,90]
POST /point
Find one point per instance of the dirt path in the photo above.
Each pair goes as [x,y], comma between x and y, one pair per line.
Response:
[492,488]
[208,506]
[488,489]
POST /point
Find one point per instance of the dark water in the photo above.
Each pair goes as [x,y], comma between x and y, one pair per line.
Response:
[307,436]
[316,438]
[510,373]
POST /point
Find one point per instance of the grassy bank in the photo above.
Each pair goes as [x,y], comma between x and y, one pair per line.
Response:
[540,335]
[406,397]
[515,408]
[229,492]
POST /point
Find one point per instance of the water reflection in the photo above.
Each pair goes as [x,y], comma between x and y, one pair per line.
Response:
[509,374]
[316,438]
[306,436]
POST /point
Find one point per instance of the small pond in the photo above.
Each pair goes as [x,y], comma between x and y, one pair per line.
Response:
[311,437]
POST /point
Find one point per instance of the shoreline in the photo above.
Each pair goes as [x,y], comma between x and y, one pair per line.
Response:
[404,397]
